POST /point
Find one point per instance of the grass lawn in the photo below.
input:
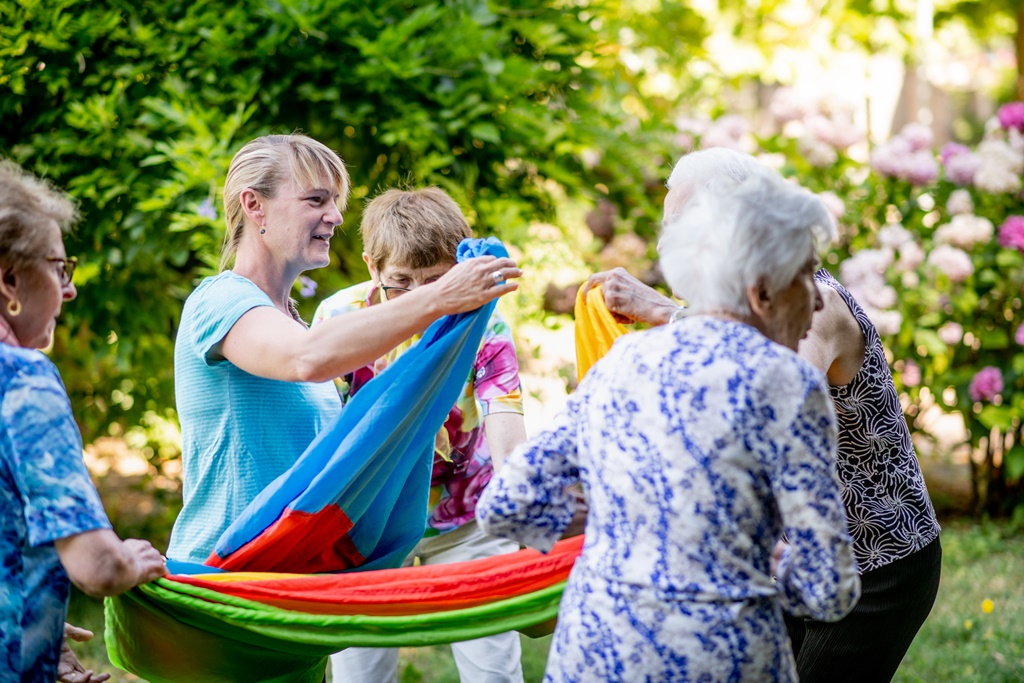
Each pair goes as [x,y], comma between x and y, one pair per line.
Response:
[973,634]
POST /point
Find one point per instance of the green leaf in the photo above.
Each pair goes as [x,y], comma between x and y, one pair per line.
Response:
[930,341]
[995,339]
[485,131]
[1013,464]
[1000,417]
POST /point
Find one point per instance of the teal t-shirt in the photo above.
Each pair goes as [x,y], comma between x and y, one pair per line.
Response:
[239,431]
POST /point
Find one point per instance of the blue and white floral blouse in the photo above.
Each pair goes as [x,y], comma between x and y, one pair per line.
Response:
[45,495]
[698,444]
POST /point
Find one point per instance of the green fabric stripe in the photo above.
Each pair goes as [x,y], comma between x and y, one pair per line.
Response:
[204,628]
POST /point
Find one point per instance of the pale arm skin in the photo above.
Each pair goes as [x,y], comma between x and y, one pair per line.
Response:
[631,301]
[835,343]
[267,343]
[504,431]
[101,564]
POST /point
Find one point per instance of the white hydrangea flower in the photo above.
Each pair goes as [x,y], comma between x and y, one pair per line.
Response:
[965,230]
[886,322]
[953,262]
[818,154]
[960,201]
[999,168]
[894,235]
[911,256]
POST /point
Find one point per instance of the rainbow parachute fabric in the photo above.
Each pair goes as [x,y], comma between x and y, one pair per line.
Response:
[356,499]
[280,628]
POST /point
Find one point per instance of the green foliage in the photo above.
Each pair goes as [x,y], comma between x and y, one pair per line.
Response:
[137,108]
[961,641]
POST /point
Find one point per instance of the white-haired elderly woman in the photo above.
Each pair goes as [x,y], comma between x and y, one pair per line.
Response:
[252,380]
[698,445]
[54,531]
[892,521]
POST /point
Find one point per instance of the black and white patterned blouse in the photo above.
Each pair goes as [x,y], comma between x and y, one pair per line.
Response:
[888,510]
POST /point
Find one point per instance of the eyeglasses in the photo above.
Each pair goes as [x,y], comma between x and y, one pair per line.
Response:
[390,291]
[67,268]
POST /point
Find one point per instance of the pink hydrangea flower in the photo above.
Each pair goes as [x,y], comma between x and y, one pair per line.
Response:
[918,135]
[1012,116]
[911,374]
[1011,233]
[921,167]
[1019,336]
[951,332]
[986,385]
[960,163]
[952,149]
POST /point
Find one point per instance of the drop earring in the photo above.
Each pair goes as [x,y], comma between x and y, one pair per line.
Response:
[263,230]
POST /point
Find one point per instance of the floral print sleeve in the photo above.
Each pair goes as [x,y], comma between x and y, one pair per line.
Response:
[46,447]
[496,380]
[529,502]
[698,444]
[45,494]
[817,575]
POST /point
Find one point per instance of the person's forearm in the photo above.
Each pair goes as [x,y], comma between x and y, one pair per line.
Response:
[101,564]
[504,431]
[340,345]
[98,564]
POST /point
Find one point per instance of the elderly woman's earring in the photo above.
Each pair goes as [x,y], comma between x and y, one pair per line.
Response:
[14,308]
[263,230]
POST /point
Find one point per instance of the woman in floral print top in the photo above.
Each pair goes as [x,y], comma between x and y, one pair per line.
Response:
[698,444]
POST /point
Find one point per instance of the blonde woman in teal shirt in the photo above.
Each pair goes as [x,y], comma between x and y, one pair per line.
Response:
[253,381]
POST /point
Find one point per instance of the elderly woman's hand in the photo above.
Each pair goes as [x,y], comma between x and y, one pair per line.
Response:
[69,669]
[472,283]
[631,301]
[148,560]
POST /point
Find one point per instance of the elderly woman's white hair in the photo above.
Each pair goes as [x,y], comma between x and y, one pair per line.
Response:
[733,237]
[707,166]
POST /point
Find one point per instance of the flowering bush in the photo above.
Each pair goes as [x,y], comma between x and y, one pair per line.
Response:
[920,250]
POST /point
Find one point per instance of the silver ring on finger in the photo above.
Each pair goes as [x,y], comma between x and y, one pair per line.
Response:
[497,276]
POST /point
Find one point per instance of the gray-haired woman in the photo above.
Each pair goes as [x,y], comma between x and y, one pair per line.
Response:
[54,527]
[698,445]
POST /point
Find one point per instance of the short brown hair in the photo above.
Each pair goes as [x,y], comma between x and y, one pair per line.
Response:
[414,228]
[25,201]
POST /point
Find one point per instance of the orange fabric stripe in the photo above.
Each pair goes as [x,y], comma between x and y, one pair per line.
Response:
[285,540]
[405,591]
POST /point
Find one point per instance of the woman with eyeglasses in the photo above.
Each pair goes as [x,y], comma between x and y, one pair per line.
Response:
[253,382]
[410,239]
[54,527]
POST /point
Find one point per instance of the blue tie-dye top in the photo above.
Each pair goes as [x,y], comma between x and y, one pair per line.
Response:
[45,495]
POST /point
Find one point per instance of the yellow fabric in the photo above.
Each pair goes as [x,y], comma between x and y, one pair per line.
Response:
[596,329]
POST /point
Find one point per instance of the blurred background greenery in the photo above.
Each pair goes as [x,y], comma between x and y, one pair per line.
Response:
[554,124]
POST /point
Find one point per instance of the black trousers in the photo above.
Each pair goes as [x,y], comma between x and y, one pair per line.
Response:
[868,644]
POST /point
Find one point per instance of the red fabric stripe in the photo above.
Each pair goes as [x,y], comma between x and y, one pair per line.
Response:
[285,545]
[410,590]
